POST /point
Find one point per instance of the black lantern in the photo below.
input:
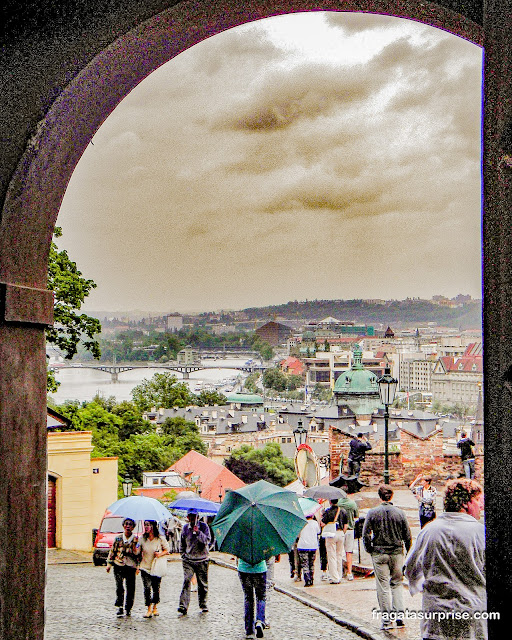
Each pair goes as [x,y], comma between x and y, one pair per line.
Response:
[300,434]
[127,486]
[387,389]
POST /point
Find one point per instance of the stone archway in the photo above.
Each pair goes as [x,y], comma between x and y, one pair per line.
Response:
[123,45]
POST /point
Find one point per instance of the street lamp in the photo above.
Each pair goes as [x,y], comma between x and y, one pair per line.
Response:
[127,486]
[387,389]
[300,434]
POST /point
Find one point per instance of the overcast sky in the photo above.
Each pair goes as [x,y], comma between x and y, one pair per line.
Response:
[316,155]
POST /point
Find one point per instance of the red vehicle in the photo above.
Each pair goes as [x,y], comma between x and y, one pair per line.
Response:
[110,527]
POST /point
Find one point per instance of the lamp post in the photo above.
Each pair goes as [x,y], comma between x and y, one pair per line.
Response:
[127,486]
[387,389]
[300,434]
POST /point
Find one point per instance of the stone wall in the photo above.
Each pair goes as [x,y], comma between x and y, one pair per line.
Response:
[407,458]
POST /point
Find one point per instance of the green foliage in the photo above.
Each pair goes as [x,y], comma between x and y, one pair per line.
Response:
[321,393]
[121,431]
[162,390]
[267,463]
[250,382]
[275,379]
[210,398]
[71,289]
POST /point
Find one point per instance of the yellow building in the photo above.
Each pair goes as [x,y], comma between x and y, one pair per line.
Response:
[79,489]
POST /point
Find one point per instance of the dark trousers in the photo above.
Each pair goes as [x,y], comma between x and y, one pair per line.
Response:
[354,467]
[125,576]
[254,586]
[151,588]
[426,519]
[323,554]
[200,569]
[307,562]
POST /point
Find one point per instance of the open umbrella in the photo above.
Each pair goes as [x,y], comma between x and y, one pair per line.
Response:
[139,508]
[196,505]
[258,521]
[309,506]
[325,492]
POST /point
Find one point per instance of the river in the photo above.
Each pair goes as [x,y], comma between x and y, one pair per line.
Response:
[82,384]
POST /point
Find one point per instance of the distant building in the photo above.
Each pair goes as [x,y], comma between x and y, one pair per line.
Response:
[188,355]
[173,322]
[274,333]
[459,380]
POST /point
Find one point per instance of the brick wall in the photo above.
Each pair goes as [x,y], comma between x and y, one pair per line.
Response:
[406,460]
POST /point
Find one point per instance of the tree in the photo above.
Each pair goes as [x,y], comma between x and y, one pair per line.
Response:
[262,464]
[209,398]
[70,289]
[162,390]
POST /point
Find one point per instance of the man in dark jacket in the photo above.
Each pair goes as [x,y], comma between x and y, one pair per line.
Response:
[467,455]
[195,542]
[385,533]
[358,448]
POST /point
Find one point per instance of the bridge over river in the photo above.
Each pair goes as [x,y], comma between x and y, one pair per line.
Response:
[184,369]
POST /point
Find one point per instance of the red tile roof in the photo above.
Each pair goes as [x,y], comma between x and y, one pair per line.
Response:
[464,363]
[214,477]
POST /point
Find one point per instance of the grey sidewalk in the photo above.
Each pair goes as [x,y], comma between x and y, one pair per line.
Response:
[350,604]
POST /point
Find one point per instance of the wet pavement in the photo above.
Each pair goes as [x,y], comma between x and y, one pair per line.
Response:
[80,599]
[80,606]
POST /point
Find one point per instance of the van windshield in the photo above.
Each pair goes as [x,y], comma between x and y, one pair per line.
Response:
[112,525]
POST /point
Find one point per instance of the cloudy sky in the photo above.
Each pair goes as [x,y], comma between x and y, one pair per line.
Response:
[316,155]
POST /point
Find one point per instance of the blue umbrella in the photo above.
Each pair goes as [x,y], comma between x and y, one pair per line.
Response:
[196,505]
[139,508]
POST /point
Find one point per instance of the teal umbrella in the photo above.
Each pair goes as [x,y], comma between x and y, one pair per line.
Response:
[258,522]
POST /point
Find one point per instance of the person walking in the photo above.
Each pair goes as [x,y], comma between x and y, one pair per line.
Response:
[336,516]
[323,558]
[447,564]
[426,495]
[467,455]
[307,547]
[151,545]
[195,542]
[270,583]
[385,533]
[124,558]
[352,513]
[253,578]
[357,454]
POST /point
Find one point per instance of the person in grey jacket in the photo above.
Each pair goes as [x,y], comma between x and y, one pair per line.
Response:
[195,542]
[447,564]
[385,533]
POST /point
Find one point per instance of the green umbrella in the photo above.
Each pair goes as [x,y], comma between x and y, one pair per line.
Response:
[258,522]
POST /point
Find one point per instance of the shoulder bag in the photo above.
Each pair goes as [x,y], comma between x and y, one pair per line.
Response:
[159,565]
[329,529]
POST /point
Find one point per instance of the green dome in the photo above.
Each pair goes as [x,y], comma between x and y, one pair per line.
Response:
[358,387]
[244,398]
[357,381]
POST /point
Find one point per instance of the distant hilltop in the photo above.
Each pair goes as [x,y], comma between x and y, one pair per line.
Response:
[461,312]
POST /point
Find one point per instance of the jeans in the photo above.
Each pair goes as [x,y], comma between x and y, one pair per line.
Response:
[151,588]
[389,582]
[201,571]
[334,548]
[307,562]
[125,575]
[354,467]
[254,586]
[469,468]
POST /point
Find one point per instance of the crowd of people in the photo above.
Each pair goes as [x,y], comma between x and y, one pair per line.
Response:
[446,562]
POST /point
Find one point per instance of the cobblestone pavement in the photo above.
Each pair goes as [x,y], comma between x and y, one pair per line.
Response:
[80,606]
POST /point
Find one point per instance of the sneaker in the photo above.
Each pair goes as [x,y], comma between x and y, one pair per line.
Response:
[127,613]
[182,611]
[259,629]
[400,623]
[204,609]
[325,577]
[334,582]
[350,576]
[250,636]
[120,612]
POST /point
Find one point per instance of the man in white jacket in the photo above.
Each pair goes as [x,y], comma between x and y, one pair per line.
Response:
[447,563]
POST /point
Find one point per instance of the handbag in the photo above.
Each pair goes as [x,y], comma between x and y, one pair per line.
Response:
[329,529]
[159,566]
